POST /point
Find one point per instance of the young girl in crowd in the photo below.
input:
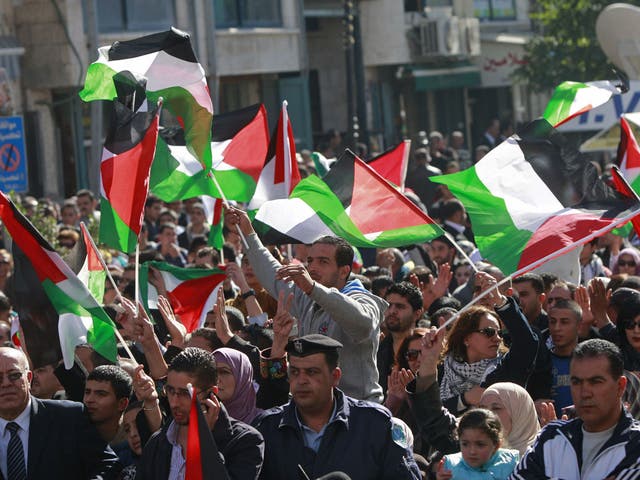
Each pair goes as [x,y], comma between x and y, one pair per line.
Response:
[480,456]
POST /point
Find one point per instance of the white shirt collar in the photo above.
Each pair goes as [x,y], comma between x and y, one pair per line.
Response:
[22,420]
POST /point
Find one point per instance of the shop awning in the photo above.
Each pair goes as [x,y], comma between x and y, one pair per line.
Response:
[439,78]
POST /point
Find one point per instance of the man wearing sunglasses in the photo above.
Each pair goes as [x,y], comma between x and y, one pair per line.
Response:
[46,438]
[237,450]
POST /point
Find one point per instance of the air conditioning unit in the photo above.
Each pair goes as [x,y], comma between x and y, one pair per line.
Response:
[439,37]
[469,36]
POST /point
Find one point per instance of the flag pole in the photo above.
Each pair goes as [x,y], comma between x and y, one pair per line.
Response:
[543,260]
[83,227]
[137,272]
[85,231]
[226,204]
[405,163]
[460,251]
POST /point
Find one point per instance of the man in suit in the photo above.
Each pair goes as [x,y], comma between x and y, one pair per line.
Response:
[60,440]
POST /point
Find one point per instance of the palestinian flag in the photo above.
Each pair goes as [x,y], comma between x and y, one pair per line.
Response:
[521,199]
[215,218]
[353,202]
[321,163]
[203,460]
[169,64]
[84,260]
[571,99]
[392,164]
[191,291]
[124,174]
[239,144]
[628,160]
[15,330]
[280,174]
[81,319]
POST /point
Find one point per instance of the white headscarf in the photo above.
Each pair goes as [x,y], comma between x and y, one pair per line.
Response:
[524,419]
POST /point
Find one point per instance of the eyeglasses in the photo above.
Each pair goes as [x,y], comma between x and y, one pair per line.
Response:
[489,332]
[182,393]
[631,325]
[13,377]
[630,263]
[412,355]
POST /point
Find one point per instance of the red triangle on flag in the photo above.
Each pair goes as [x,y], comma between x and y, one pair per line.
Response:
[376,206]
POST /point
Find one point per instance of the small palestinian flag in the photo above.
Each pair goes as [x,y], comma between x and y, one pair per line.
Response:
[84,260]
[124,173]
[81,319]
[202,460]
[571,99]
[628,160]
[191,291]
[215,218]
[352,201]
[521,199]
[280,174]
[392,164]
[16,334]
[239,144]
[168,63]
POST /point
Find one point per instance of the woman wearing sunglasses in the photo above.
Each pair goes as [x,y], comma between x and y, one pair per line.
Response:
[628,262]
[475,355]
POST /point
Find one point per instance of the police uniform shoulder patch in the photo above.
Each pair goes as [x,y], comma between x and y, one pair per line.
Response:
[401,434]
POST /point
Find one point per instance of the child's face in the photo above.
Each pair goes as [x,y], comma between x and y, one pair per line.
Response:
[463,273]
[476,447]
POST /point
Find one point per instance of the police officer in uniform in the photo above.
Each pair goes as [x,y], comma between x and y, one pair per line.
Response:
[322,430]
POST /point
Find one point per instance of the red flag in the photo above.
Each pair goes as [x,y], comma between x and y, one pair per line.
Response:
[392,164]
[194,459]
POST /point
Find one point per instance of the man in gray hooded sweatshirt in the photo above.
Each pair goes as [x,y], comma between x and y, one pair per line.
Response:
[326,302]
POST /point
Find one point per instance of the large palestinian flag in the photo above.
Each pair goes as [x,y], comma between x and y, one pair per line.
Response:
[191,291]
[392,164]
[168,63]
[239,144]
[124,174]
[571,99]
[84,260]
[352,201]
[81,319]
[280,174]
[533,196]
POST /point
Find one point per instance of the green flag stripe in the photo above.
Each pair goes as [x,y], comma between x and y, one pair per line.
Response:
[497,237]
[113,231]
[235,184]
[95,86]
[559,106]
[96,284]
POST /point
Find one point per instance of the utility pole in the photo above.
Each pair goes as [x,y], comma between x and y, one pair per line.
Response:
[93,161]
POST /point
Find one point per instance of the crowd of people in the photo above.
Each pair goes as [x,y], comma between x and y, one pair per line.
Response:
[317,362]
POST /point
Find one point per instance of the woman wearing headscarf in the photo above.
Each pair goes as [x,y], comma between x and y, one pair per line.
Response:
[515,408]
[236,387]
[628,262]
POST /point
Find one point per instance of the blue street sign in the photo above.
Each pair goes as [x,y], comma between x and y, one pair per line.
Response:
[13,155]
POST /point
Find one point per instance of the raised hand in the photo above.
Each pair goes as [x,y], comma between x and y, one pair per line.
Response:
[430,350]
[223,330]
[297,274]
[282,325]
[176,329]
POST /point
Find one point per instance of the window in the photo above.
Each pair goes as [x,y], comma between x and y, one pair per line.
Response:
[247,13]
[134,15]
[495,9]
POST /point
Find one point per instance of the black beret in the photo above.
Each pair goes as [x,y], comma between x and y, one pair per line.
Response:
[311,344]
